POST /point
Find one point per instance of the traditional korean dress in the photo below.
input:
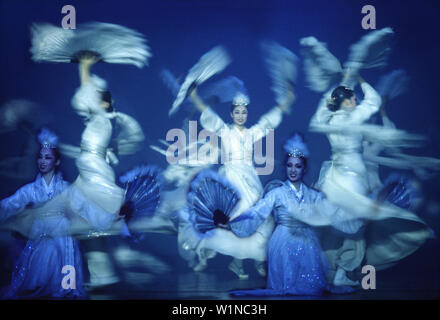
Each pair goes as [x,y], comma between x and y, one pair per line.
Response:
[345,182]
[96,178]
[43,213]
[237,159]
[296,263]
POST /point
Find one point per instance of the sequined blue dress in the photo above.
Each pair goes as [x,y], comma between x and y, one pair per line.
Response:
[296,263]
[44,214]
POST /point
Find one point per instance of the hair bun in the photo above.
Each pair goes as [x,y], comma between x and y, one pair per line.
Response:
[331,105]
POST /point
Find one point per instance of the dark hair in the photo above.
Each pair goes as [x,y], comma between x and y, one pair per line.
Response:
[233,106]
[338,96]
[106,96]
[56,152]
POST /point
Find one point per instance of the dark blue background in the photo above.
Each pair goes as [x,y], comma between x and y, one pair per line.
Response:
[180,31]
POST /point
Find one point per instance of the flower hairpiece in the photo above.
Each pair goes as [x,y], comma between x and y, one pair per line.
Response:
[240,99]
[296,147]
[47,139]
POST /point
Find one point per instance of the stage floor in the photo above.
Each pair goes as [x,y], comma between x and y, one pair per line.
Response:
[159,273]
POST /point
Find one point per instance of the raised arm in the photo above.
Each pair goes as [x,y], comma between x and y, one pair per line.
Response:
[87,98]
[369,105]
[198,102]
[272,118]
[130,138]
[85,64]
[322,114]
[209,119]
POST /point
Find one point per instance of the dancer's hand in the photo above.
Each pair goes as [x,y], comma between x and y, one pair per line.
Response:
[224,226]
[126,211]
[198,102]
[88,58]
[288,100]
[30,205]
[192,90]
[119,216]
[111,158]
[221,219]
[359,79]
[347,74]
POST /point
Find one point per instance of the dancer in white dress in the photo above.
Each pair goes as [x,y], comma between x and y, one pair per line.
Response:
[96,178]
[238,146]
[238,168]
[344,180]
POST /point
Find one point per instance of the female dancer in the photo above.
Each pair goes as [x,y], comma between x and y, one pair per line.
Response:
[96,178]
[296,263]
[88,44]
[39,269]
[238,168]
[344,181]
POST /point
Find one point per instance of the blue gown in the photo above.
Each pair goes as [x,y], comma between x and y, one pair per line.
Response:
[296,263]
[38,271]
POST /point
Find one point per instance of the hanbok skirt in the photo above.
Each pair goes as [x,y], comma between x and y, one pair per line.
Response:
[39,271]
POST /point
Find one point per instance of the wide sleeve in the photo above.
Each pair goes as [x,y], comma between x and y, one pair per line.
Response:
[131,136]
[16,203]
[87,98]
[387,123]
[326,213]
[269,120]
[78,205]
[372,149]
[212,122]
[69,150]
[248,222]
[368,106]
[323,114]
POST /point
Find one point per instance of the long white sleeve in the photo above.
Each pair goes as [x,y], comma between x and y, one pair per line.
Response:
[212,122]
[322,114]
[369,105]
[16,203]
[131,136]
[94,215]
[269,120]
[87,98]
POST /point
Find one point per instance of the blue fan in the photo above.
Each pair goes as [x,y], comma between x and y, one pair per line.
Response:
[400,191]
[211,200]
[142,192]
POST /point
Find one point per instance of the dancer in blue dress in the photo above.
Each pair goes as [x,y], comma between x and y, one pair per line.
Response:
[42,211]
[296,263]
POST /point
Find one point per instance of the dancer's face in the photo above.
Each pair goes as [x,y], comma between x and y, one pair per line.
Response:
[239,115]
[351,103]
[47,160]
[295,169]
[105,104]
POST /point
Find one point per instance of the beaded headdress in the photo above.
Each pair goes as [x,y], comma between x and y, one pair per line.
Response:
[240,99]
[296,147]
[47,139]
